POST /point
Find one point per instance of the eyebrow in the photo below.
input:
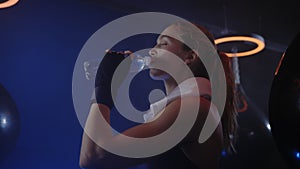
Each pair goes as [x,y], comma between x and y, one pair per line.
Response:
[164,36]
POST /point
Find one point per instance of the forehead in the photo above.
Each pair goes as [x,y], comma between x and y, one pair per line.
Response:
[172,31]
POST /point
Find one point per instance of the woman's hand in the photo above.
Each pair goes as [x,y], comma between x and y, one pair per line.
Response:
[105,73]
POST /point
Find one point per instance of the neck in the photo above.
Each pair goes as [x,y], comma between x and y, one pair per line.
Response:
[170,85]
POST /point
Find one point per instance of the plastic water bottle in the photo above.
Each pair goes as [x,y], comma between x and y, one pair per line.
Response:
[138,64]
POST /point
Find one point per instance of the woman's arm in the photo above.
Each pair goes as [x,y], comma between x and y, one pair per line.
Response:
[90,152]
[93,156]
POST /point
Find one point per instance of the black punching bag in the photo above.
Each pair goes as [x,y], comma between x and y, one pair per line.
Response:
[284,105]
[9,123]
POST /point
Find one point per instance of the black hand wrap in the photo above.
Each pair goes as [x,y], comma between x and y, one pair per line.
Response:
[104,76]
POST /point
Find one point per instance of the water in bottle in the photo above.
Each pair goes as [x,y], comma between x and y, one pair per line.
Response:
[138,63]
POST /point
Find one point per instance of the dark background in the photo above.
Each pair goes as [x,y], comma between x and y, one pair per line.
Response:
[40,42]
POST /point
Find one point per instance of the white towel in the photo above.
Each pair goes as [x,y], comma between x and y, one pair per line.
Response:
[196,86]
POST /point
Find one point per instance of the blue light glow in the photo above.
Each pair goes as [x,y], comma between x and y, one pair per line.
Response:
[3,120]
[224,153]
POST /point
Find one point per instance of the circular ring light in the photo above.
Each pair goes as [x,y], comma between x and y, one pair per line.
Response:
[256,39]
[8,3]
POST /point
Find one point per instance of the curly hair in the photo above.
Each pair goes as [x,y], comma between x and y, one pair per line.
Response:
[205,45]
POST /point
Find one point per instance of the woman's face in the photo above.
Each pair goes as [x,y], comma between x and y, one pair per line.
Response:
[165,54]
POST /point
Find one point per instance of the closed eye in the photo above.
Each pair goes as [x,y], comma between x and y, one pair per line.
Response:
[162,43]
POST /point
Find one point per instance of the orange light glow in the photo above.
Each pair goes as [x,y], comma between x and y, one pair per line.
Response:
[8,3]
[258,41]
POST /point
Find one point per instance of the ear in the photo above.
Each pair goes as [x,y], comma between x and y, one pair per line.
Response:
[191,56]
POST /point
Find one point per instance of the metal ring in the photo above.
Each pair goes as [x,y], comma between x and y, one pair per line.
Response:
[8,3]
[258,40]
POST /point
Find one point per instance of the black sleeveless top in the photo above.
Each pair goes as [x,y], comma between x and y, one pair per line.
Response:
[172,159]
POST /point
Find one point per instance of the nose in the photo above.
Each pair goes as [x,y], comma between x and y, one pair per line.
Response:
[152,52]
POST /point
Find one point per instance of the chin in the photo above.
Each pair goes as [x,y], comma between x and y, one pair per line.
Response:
[157,74]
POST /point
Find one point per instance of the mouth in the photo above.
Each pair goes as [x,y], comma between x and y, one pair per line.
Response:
[150,63]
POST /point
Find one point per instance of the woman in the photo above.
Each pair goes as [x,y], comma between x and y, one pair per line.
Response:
[186,90]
